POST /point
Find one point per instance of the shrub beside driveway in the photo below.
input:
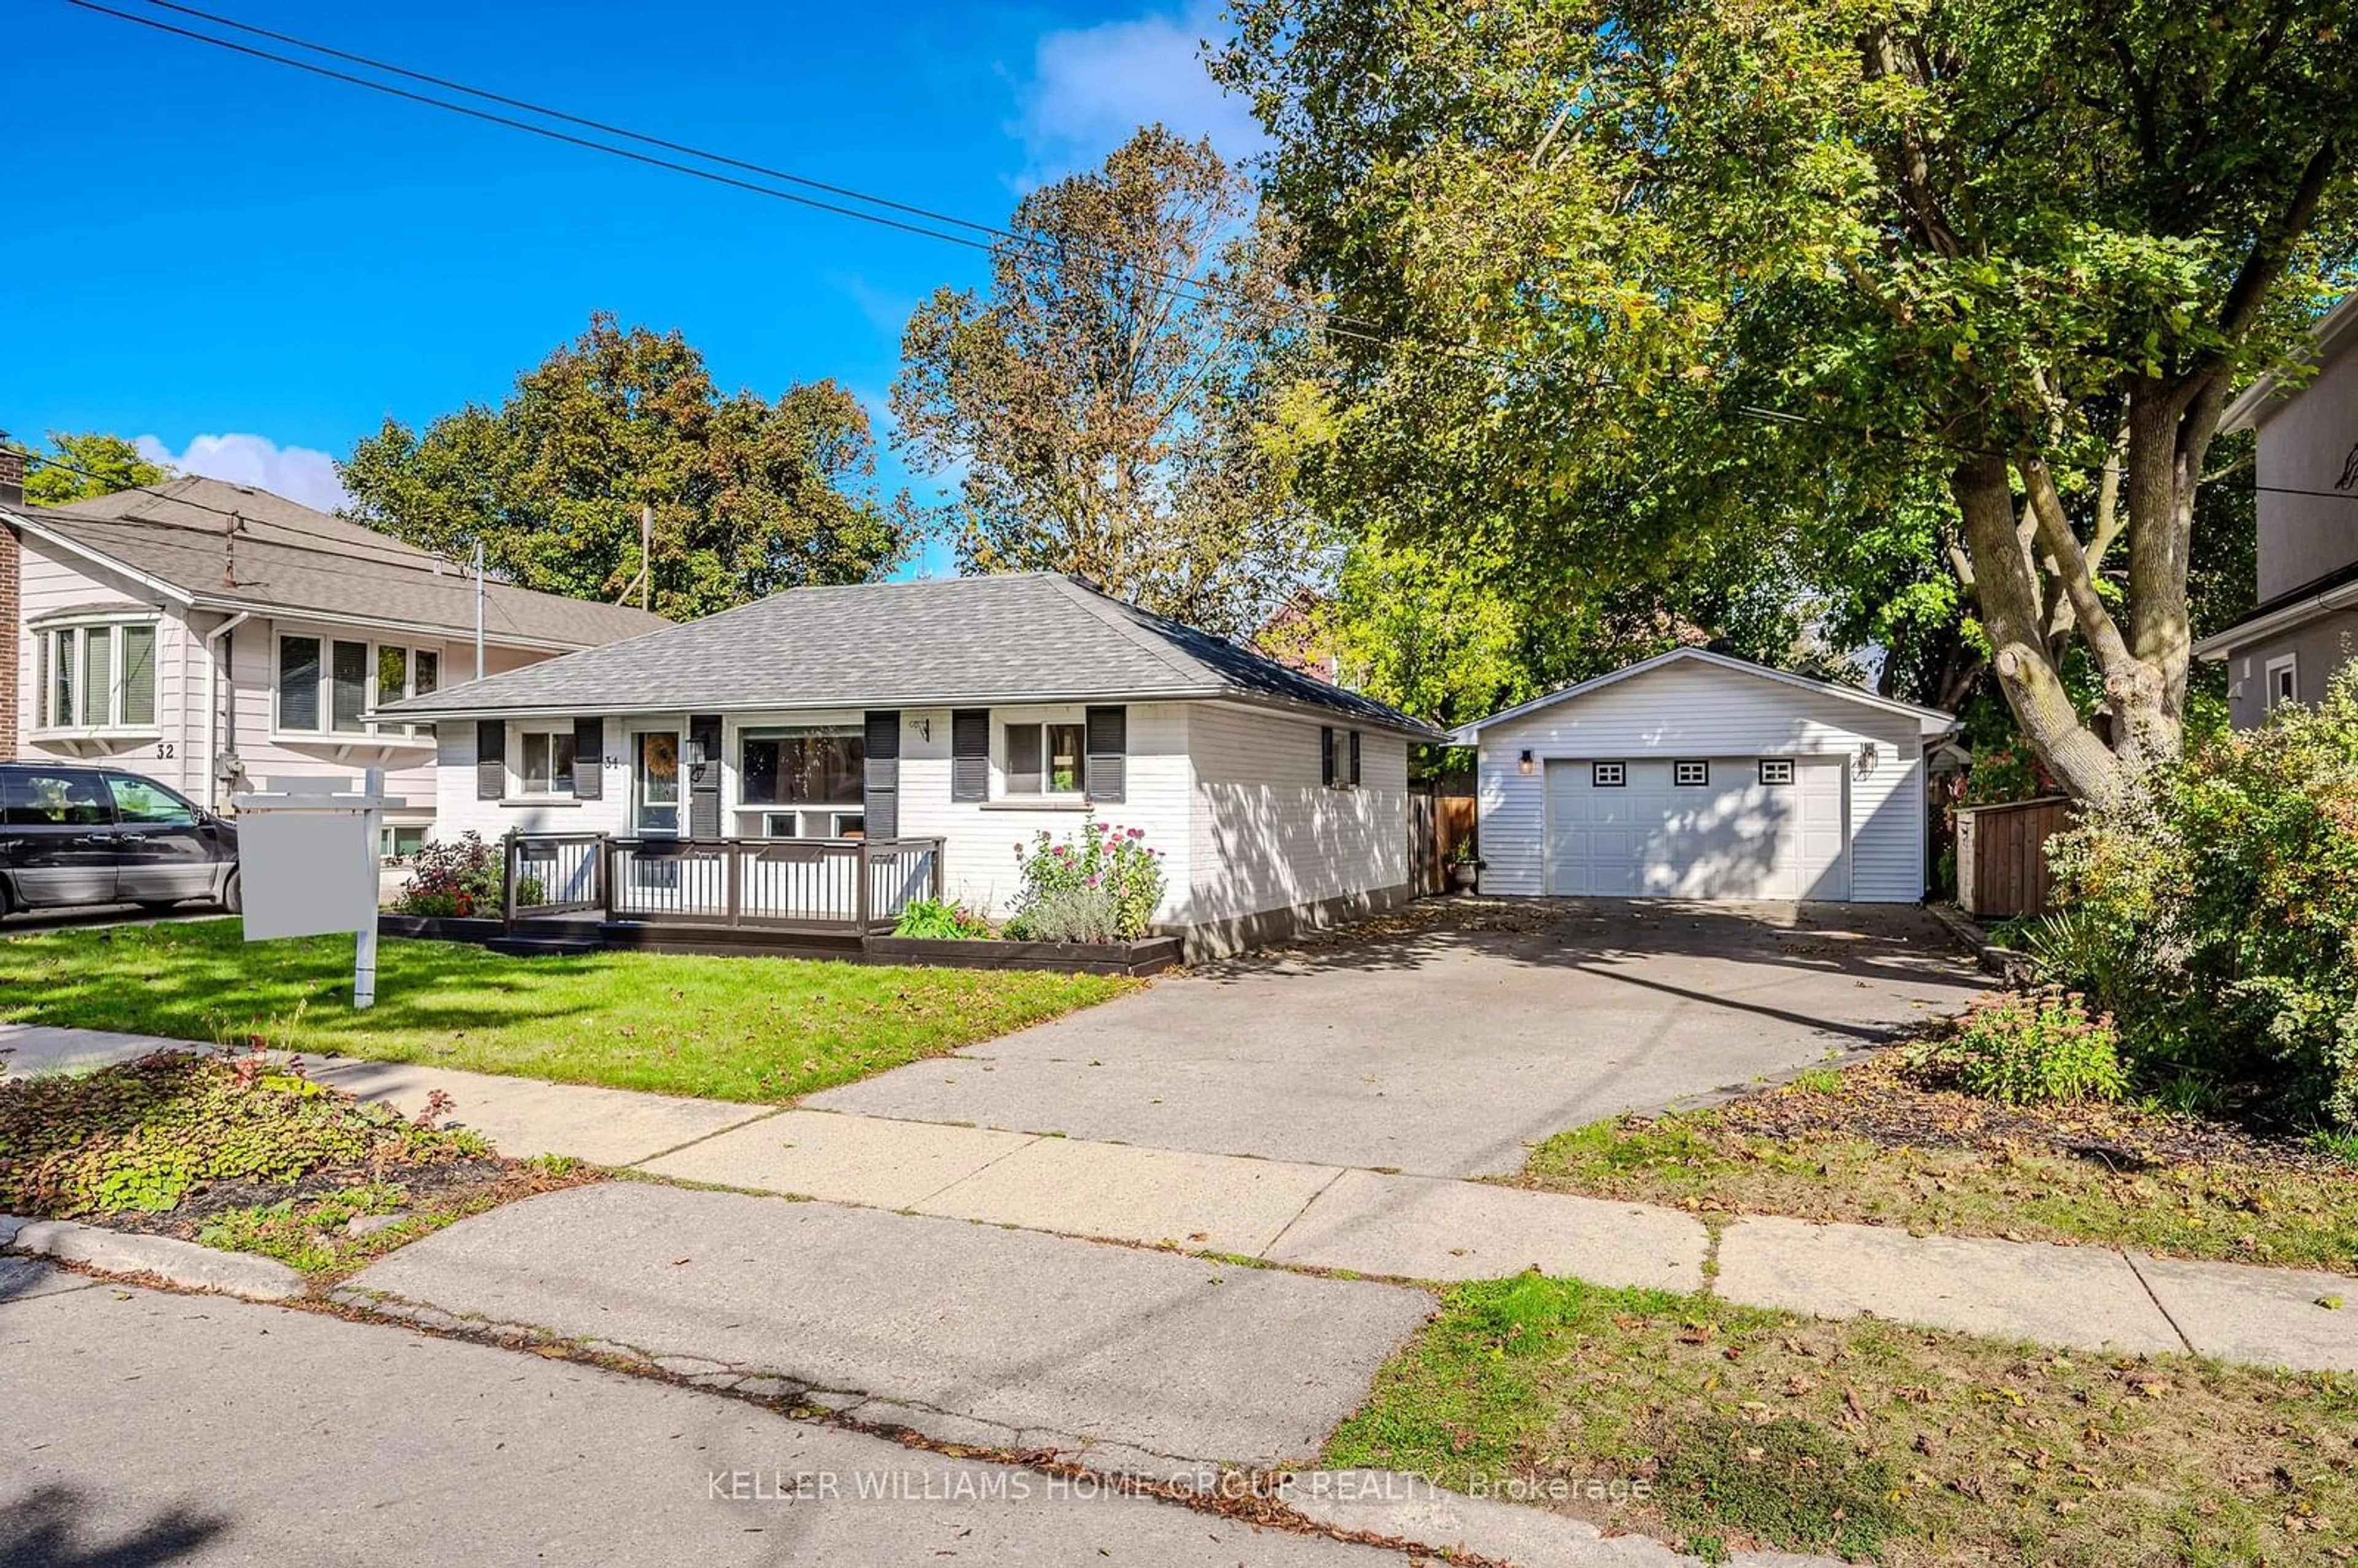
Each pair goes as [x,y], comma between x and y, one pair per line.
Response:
[741,1029]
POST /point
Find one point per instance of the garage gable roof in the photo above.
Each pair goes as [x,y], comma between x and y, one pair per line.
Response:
[1933,722]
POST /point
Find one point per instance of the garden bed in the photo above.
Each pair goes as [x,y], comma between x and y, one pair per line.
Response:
[247,1154]
[1886,1143]
[1146,956]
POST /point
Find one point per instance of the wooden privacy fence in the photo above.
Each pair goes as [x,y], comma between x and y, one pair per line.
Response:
[1437,824]
[2001,870]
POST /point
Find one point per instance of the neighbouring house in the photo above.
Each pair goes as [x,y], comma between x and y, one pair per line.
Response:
[1700,775]
[974,711]
[215,637]
[2306,624]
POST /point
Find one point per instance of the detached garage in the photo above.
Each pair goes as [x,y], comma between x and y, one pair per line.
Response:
[1699,776]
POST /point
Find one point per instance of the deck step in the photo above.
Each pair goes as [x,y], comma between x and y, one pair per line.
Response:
[543,946]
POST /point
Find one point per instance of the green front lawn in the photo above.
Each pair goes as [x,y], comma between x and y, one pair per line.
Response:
[1725,1428]
[743,1029]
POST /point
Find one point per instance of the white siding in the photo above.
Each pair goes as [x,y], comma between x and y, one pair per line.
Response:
[980,858]
[980,837]
[54,581]
[177,754]
[252,711]
[457,811]
[1697,711]
[1264,833]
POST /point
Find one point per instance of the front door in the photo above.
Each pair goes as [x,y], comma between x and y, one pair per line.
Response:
[655,784]
[61,831]
[162,850]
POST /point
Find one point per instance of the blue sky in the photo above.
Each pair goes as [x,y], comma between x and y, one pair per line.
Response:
[252,267]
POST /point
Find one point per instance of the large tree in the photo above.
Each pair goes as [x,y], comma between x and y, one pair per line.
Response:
[1977,277]
[750,495]
[86,466]
[1119,402]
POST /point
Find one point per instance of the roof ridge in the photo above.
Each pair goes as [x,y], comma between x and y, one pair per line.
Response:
[1111,611]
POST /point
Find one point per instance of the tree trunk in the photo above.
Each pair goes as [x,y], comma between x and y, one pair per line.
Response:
[2013,613]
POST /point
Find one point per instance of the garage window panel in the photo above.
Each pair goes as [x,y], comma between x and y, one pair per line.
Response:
[1775,770]
[1608,775]
[1691,773]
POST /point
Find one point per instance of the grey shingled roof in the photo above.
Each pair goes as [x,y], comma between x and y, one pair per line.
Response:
[1034,637]
[289,557]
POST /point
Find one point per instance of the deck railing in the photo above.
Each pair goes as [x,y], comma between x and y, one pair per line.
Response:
[552,873]
[842,885]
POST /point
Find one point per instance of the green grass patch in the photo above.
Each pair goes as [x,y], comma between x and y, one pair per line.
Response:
[1930,1161]
[1727,1429]
[743,1029]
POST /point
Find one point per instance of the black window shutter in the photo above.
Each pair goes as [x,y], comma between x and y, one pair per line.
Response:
[1355,758]
[1327,754]
[881,781]
[588,758]
[490,759]
[704,778]
[1108,749]
[970,754]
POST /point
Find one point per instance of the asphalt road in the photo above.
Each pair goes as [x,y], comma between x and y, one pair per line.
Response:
[145,1428]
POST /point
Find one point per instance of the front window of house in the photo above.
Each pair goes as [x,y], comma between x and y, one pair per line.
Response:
[803,781]
[547,761]
[1045,759]
[327,686]
[97,676]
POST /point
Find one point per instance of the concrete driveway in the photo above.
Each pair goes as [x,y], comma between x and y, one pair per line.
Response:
[1448,1038]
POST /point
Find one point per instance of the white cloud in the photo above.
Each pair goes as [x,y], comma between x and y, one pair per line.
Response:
[1091,87]
[299,474]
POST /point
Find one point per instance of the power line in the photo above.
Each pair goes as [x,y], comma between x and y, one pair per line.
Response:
[1180,282]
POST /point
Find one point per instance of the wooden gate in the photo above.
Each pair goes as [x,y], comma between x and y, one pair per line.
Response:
[1436,825]
[2002,869]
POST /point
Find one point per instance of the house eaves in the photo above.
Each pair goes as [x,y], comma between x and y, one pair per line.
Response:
[1932,721]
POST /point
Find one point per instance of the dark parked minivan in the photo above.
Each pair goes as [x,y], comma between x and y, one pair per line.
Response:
[72,834]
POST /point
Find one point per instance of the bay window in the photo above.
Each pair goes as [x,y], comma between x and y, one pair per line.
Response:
[330,686]
[96,675]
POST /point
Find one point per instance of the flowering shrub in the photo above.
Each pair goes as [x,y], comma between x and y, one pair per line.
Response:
[2036,1047]
[1102,888]
[459,879]
[2214,909]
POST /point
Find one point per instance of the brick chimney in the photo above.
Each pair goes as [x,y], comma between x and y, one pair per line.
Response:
[12,600]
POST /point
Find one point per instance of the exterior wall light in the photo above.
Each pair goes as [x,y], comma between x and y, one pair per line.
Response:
[1866,758]
[1523,762]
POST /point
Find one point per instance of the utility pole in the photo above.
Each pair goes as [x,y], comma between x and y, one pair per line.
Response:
[479,610]
[647,555]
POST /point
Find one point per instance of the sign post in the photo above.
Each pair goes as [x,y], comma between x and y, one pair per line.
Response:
[307,855]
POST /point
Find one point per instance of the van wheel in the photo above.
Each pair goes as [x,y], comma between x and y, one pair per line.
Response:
[233,893]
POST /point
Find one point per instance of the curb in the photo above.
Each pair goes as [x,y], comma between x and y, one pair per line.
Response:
[183,1263]
[1395,1504]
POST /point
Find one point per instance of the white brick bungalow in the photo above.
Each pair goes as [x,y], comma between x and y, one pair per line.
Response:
[1699,776]
[977,711]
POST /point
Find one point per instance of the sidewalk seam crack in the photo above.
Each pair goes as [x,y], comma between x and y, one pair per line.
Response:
[979,1170]
[2150,1294]
[1271,1246]
[773,1112]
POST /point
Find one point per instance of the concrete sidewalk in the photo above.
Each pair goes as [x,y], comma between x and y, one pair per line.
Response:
[1370,1222]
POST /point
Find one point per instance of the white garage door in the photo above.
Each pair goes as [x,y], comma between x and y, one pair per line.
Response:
[1766,828]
